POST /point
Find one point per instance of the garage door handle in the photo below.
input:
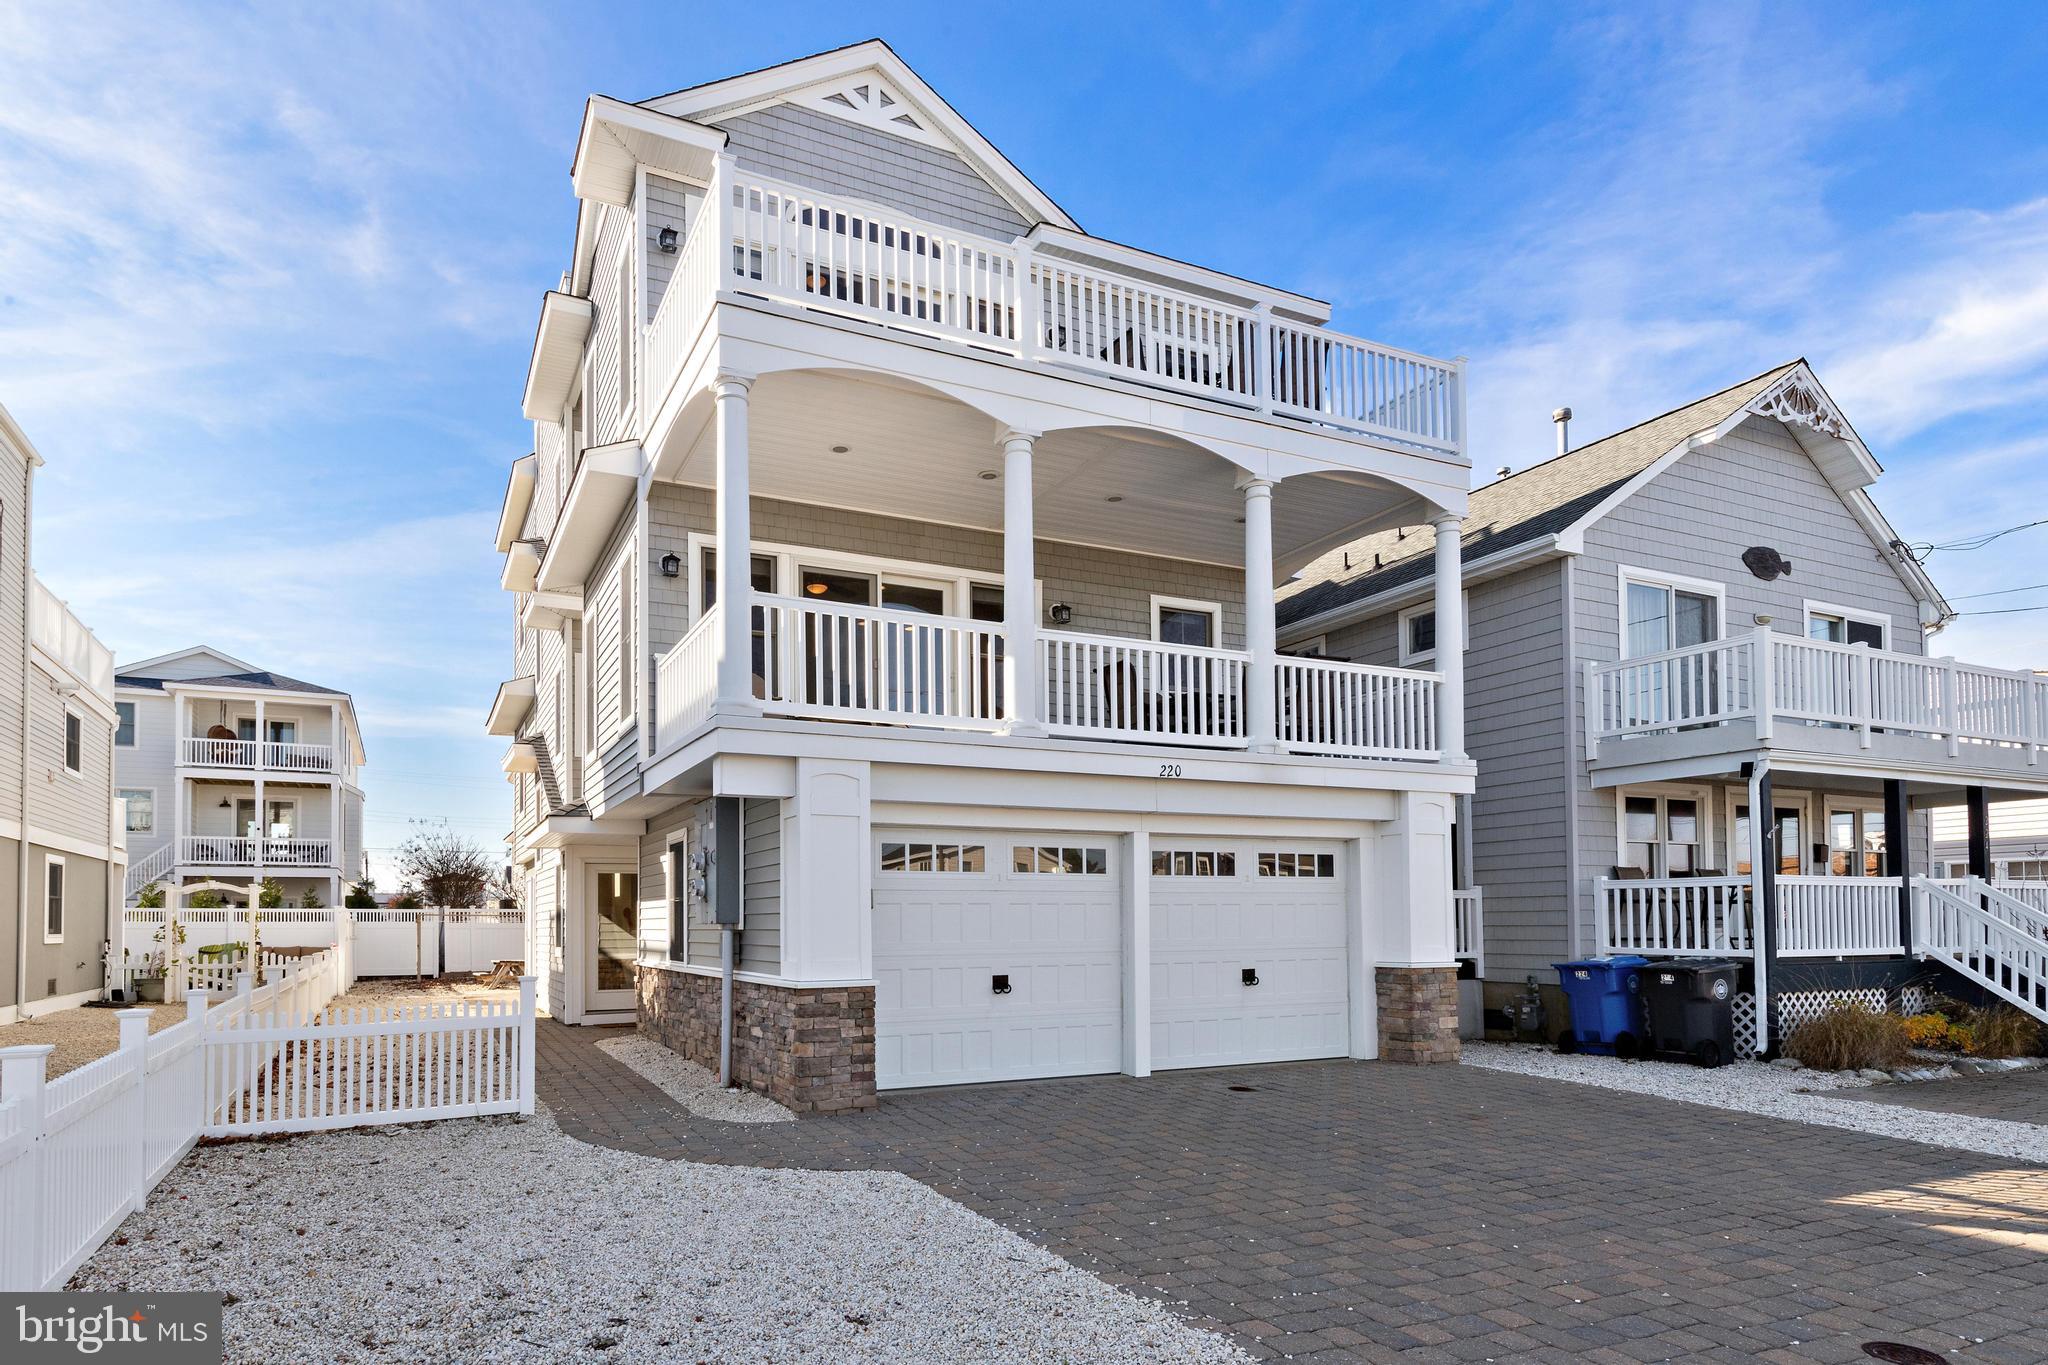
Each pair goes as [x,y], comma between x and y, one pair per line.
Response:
[999,983]
[1250,976]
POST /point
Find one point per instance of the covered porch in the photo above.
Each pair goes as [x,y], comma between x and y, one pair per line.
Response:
[1104,580]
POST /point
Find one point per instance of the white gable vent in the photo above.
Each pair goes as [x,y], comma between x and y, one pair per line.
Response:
[866,99]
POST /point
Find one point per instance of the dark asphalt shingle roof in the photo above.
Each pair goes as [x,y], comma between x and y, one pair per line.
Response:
[1542,500]
[263,681]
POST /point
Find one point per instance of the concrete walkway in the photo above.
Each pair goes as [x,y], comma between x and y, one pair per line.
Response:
[1358,1211]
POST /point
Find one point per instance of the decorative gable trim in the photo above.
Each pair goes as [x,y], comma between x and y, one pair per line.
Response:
[867,99]
[1796,401]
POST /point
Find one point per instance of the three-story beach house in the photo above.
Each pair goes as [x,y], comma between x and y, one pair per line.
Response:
[232,773]
[1698,618]
[893,588]
[62,849]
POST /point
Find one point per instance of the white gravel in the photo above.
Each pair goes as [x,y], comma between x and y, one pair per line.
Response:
[690,1085]
[1753,1088]
[500,1240]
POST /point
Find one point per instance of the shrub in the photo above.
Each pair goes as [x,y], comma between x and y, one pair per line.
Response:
[204,900]
[150,897]
[1999,1031]
[311,900]
[269,894]
[361,896]
[1936,1032]
[1849,1037]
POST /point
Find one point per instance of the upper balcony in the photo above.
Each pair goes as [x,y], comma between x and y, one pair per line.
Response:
[1842,708]
[204,751]
[1056,301]
[58,632]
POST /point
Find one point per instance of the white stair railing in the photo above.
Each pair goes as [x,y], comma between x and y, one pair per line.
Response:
[152,868]
[1990,949]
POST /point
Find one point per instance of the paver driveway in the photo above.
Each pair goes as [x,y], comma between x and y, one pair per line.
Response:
[1357,1211]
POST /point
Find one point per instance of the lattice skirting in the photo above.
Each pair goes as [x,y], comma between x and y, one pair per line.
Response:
[1797,1007]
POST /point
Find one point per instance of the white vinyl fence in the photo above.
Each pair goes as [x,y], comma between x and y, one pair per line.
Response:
[79,1153]
[384,942]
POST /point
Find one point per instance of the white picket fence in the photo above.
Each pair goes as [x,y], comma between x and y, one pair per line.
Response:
[79,1153]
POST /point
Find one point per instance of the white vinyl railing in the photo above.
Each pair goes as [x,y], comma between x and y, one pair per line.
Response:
[1838,917]
[1115,688]
[155,866]
[832,660]
[1988,937]
[1468,909]
[1674,917]
[1771,677]
[1356,710]
[1038,301]
[64,637]
[197,751]
[686,680]
[229,851]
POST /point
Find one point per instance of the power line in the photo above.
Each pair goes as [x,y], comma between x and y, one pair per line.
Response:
[1924,549]
[1997,592]
[2002,611]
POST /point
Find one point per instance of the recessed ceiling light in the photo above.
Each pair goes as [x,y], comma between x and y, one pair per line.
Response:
[1114,497]
[838,450]
[987,474]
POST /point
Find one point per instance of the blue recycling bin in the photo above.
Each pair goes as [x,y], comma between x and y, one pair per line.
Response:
[1604,996]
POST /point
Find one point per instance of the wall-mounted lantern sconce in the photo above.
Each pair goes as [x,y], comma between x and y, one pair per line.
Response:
[667,240]
[1061,614]
[671,565]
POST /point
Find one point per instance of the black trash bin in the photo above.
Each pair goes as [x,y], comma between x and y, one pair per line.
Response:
[1689,1009]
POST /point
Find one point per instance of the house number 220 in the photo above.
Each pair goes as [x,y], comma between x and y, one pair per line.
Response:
[1169,770]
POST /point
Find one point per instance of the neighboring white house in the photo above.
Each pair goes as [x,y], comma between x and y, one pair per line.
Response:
[2017,838]
[894,573]
[230,772]
[61,845]
[1699,613]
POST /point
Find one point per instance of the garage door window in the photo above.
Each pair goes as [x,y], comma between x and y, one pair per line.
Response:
[1297,864]
[1035,858]
[1193,862]
[934,857]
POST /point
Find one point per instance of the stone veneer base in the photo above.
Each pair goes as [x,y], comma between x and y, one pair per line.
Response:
[810,1050]
[1418,1011]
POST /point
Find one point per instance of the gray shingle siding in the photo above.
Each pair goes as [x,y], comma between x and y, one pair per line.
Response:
[816,149]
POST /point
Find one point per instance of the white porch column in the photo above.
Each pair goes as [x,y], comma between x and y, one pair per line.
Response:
[336,758]
[735,550]
[262,738]
[1450,636]
[1258,613]
[1020,588]
[262,824]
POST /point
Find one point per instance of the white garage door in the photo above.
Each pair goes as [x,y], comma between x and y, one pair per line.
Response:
[997,957]
[1248,952]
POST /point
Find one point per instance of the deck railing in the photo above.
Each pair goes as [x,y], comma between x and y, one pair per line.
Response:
[1355,710]
[686,678]
[1769,678]
[198,751]
[1114,687]
[1674,917]
[829,659]
[1024,298]
[1468,908]
[1838,917]
[232,851]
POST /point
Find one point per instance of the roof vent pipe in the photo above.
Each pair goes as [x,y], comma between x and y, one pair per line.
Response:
[1563,418]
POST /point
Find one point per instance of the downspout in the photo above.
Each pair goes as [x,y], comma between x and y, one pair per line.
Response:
[1763,891]
[28,494]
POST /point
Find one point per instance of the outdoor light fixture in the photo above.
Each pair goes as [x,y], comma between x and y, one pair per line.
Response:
[671,564]
[1061,614]
[667,239]
[226,804]
[816,589]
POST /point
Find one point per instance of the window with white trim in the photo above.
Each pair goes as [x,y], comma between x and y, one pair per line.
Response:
[1289,863]
[53,898]
[1662,835]
[1186,621]
[1193,862]
[1660,612]
[1415,629]
[1034,858]
[934,857]
[1846,626]
[141,806]
[124,729]
[74,741]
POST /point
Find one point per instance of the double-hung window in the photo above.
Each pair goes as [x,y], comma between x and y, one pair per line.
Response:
[1662,836]
[141,808]
[74,741]
[1666,613]
[124,730]
[53,899]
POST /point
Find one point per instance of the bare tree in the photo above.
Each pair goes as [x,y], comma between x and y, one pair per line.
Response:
[449,870]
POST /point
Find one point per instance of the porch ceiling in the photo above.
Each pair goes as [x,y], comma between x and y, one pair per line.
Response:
[914,454]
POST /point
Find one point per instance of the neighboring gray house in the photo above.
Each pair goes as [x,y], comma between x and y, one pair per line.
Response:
[893,574]
[1629,602]
[232,773]
[61,844]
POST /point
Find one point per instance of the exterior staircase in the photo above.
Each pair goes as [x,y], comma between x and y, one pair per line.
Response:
[1989,937]
[151,869]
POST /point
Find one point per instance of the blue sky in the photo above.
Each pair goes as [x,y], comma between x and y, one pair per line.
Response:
[268,274]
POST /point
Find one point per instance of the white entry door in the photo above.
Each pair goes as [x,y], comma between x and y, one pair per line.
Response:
[997,957]
[613,946]
[1248,952]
